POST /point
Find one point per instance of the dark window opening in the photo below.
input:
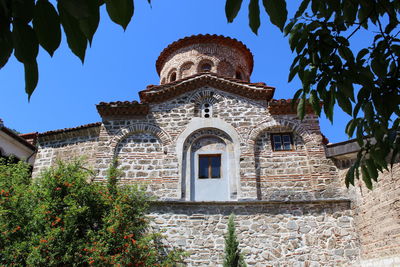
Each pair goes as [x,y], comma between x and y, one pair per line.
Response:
[206,67]
[210,166]
[173,77]
[282,142]
[238,75]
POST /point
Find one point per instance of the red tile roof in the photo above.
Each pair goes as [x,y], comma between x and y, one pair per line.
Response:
[96,124]
[159,93]
[30,137]
[206,38]
[122,108]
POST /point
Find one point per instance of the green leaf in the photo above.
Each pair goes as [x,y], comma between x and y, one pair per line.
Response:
[315,102]
[232,8]
[350,127]
[76,40]
[365,177]
[362,53]
[277,12]
[254,16]
[31,77]
[25,42]
[6,48]
[372,171]
[378,66]
[120,11]
[288,27]
[301,108]
[303,6]
[78,9]
[89,24]
[350,9]
[22,10]
[295,34]
[293,73]
[369,112]
[46,24]
[346,53]
[379,157]
[344,103]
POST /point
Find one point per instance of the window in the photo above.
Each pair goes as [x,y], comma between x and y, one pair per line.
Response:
[210,166]
[173,77]
[238,75]
[206,110]
[205,67]
[282,142]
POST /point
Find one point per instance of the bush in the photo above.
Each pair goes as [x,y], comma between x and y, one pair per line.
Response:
[61,219]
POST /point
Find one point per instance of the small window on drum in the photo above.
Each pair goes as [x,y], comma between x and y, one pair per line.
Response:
[205,67]
[206,110]
[282,142]
[173,77]
[210,166]
[238,75]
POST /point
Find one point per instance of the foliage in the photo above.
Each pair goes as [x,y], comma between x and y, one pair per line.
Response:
[61,219]
[364,84]
[233,257]
[27,24]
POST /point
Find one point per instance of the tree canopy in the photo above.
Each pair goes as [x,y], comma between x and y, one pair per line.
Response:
[364,84]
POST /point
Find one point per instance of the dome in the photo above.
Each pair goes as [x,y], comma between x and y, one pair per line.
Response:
[205,53]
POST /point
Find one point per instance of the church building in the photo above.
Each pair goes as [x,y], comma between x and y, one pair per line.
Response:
[208,142]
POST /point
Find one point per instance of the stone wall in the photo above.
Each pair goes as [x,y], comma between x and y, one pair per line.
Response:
[304,173]
[271,234]
[66,147]
[377,219]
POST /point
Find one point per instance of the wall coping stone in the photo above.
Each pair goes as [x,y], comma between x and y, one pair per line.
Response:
[250,202]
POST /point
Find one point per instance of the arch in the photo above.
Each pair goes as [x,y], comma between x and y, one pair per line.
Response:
[208,94]
[185,69]
[164,137]
[204,62]
[293,125]
[182,148]
[172,75]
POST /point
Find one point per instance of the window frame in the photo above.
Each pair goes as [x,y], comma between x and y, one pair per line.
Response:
[209,165]
[292,148]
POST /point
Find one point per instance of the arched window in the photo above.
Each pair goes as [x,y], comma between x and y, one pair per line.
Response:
[205,67]
[172,78]
[206,110]
[238,75]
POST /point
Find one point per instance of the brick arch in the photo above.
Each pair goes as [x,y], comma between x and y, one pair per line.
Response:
[208,94]
[295,126]
[164,137]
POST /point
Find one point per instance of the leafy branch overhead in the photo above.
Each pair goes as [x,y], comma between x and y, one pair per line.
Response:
[365,83]
[27,24]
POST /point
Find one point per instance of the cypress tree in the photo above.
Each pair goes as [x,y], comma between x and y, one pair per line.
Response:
[233,257]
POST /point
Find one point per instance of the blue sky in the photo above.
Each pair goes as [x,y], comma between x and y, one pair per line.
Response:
[119,64]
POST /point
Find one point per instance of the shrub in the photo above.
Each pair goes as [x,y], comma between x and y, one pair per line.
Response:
[61,219]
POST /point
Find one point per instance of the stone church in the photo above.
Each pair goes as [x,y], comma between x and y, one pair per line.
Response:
[207,142]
